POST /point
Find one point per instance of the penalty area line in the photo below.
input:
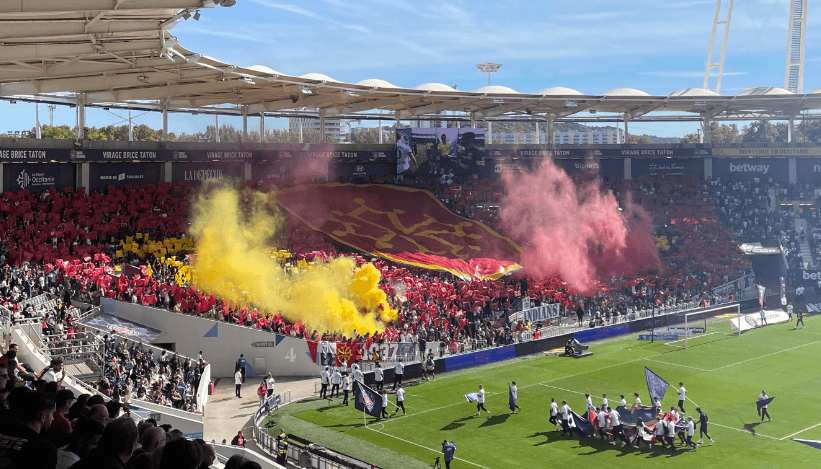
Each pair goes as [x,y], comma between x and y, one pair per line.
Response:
[801,431]
[424,447]
[676,364]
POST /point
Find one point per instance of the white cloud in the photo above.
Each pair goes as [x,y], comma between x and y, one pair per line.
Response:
[289,8]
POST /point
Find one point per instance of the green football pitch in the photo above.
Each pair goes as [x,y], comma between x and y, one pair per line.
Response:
[723,374]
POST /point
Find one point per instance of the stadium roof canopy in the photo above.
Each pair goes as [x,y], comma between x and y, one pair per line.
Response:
[122,53]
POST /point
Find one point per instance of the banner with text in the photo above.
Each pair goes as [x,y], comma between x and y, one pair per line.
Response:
[805,278]
[760,319]
[195,173]
[38,177]
[766,151]
[671,166]
[350,171]
[120,174]
[748,169]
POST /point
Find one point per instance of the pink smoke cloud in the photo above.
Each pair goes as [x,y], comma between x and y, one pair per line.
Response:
[575,232]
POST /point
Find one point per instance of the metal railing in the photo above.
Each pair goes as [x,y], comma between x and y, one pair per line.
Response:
[301,457]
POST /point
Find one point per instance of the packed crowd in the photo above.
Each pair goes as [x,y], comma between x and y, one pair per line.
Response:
[133,372]
[48,427]
[151,266]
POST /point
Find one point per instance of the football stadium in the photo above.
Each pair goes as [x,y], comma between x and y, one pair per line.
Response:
[399,276]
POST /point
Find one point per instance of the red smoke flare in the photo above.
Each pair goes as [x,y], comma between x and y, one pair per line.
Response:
[576,233]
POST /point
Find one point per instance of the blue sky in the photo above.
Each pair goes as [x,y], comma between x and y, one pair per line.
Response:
[589,45]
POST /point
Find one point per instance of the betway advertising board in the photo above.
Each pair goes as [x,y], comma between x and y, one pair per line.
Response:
[748,169]
[805,278]
[760,319]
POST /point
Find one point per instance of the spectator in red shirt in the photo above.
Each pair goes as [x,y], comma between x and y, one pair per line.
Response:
[61,428]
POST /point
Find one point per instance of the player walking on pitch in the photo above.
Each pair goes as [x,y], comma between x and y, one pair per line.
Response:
[682,394]
[480,402]
[702,427]
[762,397]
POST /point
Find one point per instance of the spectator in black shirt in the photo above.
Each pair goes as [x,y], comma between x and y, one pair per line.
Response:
[21,444]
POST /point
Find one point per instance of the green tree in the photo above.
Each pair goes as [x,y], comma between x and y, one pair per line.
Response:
[58,132]
[639,139]
[719,133]
[765,132]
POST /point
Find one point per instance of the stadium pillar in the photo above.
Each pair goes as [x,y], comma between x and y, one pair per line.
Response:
[489,138]
[790,129]
[379,126]
[37,123]
[473,120]
[261,127]
[165,121]
[244,123]
[81,117]
[626,120]
[217,133]
[705,131]
[322,125]
[130,127]
[538,134]
[549,131]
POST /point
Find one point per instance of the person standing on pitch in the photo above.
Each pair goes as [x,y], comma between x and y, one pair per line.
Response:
[398,372]
[385,404]
[799,313]
[400,400]
[604,402]
[566,420]
[480,402]
[789,312]
[602,418]
[763,397]
[691,430]
[346,388]
[379,377]
[336,380]
[682,394]
[323,380]
[357,373]
[242,364]
[618,430]
[702,427]
[515,394]
[238,382]
[448,448]
[554,411]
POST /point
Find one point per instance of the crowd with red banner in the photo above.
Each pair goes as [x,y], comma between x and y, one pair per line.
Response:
[78,239]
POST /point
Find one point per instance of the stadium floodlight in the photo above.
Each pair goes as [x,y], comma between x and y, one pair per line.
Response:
[197,15]
[488,68]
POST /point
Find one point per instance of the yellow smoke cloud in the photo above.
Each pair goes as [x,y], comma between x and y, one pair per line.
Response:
[233,261]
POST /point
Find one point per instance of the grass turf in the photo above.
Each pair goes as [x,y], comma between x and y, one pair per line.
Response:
[724,375]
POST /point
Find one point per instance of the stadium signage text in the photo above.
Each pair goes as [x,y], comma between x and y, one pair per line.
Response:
[130,155]
[767,151]
[203,174]
[749,168]
[23,154]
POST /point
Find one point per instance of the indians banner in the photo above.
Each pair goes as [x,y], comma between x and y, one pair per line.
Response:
[405,225]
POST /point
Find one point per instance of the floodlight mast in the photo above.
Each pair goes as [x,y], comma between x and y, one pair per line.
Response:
[489,68]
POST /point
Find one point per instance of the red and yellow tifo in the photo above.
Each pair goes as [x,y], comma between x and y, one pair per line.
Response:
[405,225]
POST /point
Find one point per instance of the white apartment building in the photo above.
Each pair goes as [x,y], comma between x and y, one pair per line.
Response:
[336,128]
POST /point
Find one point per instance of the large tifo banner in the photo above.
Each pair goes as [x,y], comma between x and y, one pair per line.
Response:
[760,319]
[405,225]
[440,151]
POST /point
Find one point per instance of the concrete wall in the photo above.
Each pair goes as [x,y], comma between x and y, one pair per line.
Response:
[221,342]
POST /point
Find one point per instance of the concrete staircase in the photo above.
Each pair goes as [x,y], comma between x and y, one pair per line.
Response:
[806,252]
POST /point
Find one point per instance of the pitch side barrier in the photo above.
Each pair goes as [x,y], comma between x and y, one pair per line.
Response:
[455,362]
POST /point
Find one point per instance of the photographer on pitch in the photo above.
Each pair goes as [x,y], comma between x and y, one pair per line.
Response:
[448,448]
